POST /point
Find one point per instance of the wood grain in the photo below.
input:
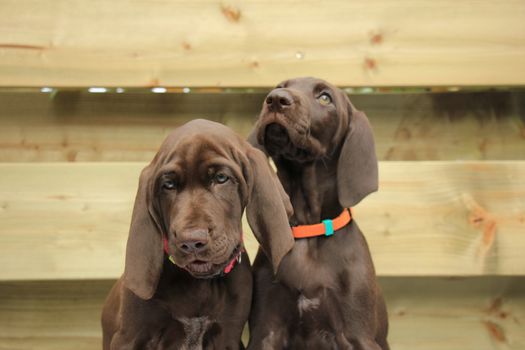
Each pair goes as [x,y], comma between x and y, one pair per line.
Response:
[70,221]
[52,315]
[431,313]
[255,43]
[78,126]
[455,314]
[446,218]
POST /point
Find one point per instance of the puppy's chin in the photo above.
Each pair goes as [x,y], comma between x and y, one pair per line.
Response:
[200,268]
[282,140]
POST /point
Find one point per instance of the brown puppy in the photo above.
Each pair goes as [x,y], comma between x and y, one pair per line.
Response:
[324,295]
[184,286]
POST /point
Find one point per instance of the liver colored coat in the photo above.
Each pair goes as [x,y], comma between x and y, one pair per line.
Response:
[324,295]
[193,194]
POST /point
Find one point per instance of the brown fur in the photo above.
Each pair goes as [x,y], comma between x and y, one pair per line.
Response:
[188,305]
[324,295]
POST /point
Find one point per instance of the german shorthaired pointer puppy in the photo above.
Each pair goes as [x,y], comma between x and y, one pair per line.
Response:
[324,294]
[187,282]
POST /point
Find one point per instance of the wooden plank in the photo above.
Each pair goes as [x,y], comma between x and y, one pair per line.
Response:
[52,315]
[464,314]
[447,126]
[65,222]
[76,126]
[446,218]
[255,43]
[455,314]
[70,221]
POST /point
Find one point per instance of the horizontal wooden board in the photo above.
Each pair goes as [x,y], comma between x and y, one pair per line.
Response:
[78,126]
[447,126]
[447,218]
[257,43]
[455,314]
[70,221]
[52,315]
[430,313]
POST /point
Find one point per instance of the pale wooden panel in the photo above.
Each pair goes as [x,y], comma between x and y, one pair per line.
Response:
[455,314]
[439,218]
[62,221]
[425,313]
[70,221]
[52,315]
[450,126]
[258,43]
[75,126]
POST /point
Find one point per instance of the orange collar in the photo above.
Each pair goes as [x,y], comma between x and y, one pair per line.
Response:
[325,228]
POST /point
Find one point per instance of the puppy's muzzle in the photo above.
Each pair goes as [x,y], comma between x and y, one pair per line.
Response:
[276,136]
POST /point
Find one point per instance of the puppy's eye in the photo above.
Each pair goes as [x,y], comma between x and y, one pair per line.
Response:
[221,178]
[169,184]
[324,99]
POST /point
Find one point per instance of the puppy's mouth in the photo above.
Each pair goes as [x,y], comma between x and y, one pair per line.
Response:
[207,269]
[278,142]
[276,136]
[199,267]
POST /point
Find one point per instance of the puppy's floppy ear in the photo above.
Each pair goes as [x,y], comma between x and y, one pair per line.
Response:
[144,253]
[357,174]
[252,138]
[268,208]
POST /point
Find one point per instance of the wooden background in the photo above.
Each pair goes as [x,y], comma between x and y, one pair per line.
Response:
[258,43]
[446,229]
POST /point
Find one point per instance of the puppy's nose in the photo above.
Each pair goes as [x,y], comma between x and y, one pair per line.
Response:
[278,100]
[192,246]
[193,241]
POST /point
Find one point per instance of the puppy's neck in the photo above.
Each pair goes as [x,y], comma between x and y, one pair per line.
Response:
[312,188]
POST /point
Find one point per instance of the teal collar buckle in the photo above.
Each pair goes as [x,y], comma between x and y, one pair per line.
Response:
[329,227]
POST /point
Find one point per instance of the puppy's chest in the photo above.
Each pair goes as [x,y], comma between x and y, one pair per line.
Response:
[191,314]
[306,268]
[182,334]
[191,301]
[319,324]
[194,330]
[321,276]
[308,305]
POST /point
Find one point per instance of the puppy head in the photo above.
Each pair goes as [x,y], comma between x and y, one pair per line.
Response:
[308,119]
[303,119]
[194,193]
